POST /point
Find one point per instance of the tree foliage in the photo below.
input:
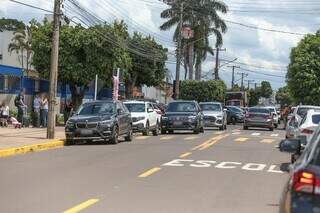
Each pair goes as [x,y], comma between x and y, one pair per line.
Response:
[11,25]
[265,89]
[213,90]
[254,96]
[283,96]
[304,71]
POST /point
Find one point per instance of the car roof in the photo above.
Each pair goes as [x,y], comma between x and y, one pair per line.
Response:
[101,101]
[133,101]
[188,101]
[214,102]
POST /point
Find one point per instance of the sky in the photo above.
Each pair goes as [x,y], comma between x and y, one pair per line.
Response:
[263,55]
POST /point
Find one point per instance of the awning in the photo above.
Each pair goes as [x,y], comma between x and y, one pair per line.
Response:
[8,70]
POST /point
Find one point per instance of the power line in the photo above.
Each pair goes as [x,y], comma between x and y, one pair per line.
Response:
[31,6]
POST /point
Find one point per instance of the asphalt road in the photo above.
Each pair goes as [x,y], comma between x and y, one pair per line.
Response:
[218,171]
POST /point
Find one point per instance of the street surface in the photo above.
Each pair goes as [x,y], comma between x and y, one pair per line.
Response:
[218,171]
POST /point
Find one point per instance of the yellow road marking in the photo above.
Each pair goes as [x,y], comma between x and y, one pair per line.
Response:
[82,206]
[149,172]
[166,138]
[204,143]
[267,141]
[185,155]
[241,139]
[206,146]
[142,137]
[190,138]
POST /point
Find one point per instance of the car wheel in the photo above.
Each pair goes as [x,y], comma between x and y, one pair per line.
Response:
[233,120]
[196,131]
[202,129]
[171,131]
[276,126]
[163,131]
[115,136]
[271,128]
[155,132]
[221,128]
[69,142]
[147,129]
[129,135]
[225,127]
[245,128]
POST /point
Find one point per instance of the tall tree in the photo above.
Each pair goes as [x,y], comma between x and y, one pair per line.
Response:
[11,25]
[303,75]
[265,89]
[202,17]
[283,96]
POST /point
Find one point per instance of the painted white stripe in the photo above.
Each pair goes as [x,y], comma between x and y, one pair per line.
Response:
[236,133]
[274,135]
[256,134]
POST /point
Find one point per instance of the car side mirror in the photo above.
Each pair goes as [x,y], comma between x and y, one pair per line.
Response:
[150,110]
[119,111]
[290,145]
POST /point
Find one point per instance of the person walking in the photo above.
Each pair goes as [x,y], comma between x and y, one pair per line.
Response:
[4,114]
[67,110]
[36,110]
[44,110]
[21,106]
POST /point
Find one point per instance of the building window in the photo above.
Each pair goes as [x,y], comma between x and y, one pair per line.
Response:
[13,83]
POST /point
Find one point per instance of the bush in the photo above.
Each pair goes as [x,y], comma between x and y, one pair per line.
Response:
[203,91]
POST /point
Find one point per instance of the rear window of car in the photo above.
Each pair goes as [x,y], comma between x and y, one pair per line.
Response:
[181,107]
[235,109]
[135,107]
[316,119]
[210,107]
[259,110]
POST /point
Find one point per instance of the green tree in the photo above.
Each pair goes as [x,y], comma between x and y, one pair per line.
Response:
[303,75]
[11,25]
[84,52]
[148,71]
[254,96]
[265,89]
[283,96]
[202,17]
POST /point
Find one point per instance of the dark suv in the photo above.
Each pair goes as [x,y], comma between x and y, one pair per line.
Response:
[182,115]
[99,121]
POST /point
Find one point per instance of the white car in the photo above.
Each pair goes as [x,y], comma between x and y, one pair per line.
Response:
[214,115]
[308,125]
[276,118]
[144,117]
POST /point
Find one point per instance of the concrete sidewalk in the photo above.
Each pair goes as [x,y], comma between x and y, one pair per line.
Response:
[28,139]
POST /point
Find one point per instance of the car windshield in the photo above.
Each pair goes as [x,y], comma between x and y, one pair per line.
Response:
[181,107]
[235,109]
[272,109]
[96,109]
[135,107]
[316,119]
[259,110]
[210,107]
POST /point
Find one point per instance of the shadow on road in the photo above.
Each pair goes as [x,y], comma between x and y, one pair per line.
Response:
[285,167]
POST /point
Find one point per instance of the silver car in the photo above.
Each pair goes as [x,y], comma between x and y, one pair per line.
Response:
[214,115]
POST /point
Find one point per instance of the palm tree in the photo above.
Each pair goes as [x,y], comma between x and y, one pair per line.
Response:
[202,17]
[21,43]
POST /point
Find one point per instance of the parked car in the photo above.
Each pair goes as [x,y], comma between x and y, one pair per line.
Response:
[214,115]
[302,190]
[234,115]
[144,117]
[99,121]
[308,125]
[276,118]
[258,117]
[182,115]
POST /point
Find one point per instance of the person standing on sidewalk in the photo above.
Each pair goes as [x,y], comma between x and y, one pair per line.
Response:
[36,110]
[4,114]
[21,106]
[44,110]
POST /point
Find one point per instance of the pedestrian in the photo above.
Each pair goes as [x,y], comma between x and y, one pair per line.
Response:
[21,106]
[36,111]
[4,114]
[44,110]
[67,110]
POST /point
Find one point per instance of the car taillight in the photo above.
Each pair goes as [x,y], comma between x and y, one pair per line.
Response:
[307,182]
[307,131]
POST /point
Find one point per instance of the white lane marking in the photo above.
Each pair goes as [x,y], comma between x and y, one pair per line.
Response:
[166,138]
[236,133]
[256,134]
[190,138]
[142,137]
[218,133]
[274,135]
[267,141]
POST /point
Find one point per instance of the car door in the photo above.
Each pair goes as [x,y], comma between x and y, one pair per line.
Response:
[152,114]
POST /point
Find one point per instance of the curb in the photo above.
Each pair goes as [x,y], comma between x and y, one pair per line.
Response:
[31,148]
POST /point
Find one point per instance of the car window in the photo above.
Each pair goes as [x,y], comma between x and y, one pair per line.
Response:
[181,107]
[303,120]
[135,107]
[96,109]
[259,110]
[210,107]
[150,106]
[303,110]
[316,154]
[316,119]
[235,109]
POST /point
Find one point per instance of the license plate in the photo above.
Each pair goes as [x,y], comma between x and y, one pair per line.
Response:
[177,123]
[86,132]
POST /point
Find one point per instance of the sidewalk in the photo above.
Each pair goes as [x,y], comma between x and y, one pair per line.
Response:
[14,141]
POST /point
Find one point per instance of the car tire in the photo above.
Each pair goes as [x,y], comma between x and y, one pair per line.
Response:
[147,129]
[202,129]
[293,159]
[245,128]
[271,128]
[276,126]
[196,131]
[225,127]
[163,131]
[221,128]
[155,132]
[171,131]
[115,136]
[233,120]
[69,142]
[129,136]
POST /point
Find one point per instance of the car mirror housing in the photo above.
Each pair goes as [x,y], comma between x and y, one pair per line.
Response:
[290,145]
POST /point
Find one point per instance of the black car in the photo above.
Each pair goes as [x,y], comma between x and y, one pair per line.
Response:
[99,121]
[302,191]
[234,115]
[182,115]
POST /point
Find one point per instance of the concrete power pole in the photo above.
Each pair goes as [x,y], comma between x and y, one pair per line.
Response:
[216,69]
[177,82]
[54,70]
[233,69]
[243,75]
[249,82]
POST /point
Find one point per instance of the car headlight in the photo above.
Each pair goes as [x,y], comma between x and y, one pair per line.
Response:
[70,124]
[139,118]
[105,123]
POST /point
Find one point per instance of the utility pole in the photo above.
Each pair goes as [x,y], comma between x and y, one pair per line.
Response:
[243,75]
[177,82]
[233,69]
[249,82]
[216,69]
[54,70]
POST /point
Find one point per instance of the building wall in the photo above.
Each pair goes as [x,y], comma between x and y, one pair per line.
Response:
[12,59]
[157,93]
